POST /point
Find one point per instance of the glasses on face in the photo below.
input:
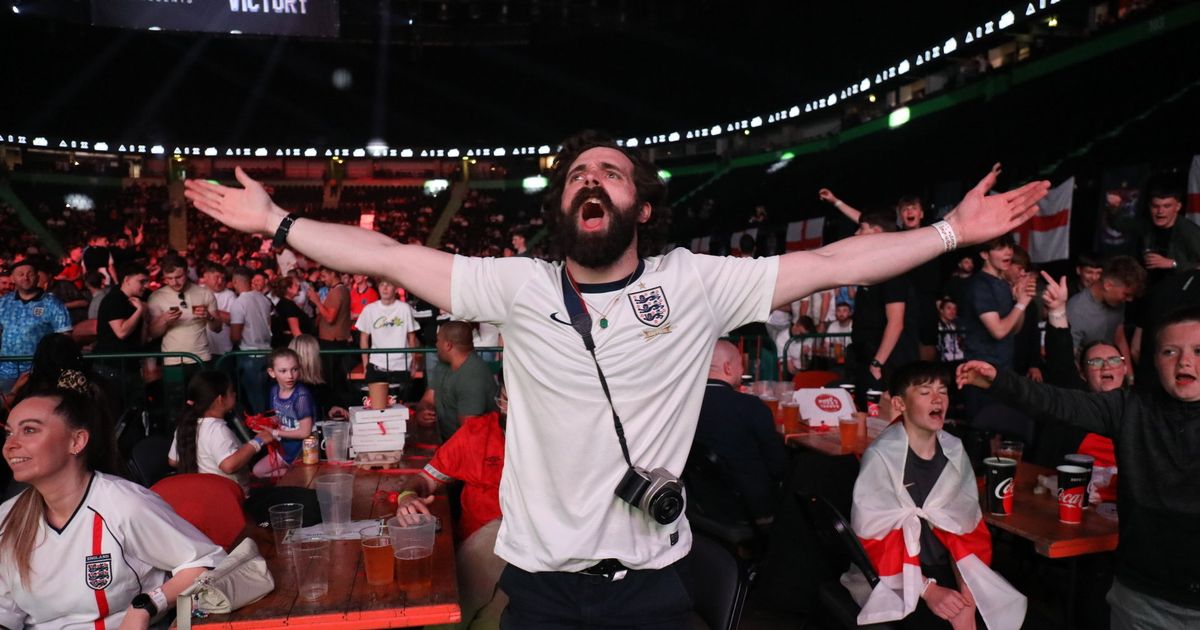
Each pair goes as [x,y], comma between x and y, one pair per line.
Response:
[1100,362]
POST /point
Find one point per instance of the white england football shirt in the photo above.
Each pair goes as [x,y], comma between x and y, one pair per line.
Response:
[122,540]
[562,458]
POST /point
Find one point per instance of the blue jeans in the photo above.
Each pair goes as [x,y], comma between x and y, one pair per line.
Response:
[254,383]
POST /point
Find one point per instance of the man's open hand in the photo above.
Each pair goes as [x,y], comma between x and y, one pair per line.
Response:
[244,209]
[980,216]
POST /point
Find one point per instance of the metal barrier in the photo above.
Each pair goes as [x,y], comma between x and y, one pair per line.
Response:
[824,354]
[138,386]
[158,390]
[248,369]
[827,351]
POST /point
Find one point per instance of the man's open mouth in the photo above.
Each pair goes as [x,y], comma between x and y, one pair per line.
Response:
[591,213]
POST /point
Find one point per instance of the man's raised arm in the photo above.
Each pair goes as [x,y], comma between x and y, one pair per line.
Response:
[872,258]
[421,270]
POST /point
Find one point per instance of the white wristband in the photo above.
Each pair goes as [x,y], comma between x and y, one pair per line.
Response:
[1058,315]
[949,238]
[160,600]
[928,582]
[1020,307]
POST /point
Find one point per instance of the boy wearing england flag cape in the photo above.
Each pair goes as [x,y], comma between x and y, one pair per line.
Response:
[916,511]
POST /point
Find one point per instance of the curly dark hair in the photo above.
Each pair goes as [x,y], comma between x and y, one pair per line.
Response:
[651,235]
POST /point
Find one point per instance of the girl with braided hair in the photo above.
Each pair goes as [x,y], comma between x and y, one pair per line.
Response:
[203,442]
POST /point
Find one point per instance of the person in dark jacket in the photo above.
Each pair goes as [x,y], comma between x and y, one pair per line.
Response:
[740,430]
[1100,368]
[1156,430]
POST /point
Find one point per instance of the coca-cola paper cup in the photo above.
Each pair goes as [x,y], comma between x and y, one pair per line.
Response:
[1000,473]
[1083,461]
[1072,486]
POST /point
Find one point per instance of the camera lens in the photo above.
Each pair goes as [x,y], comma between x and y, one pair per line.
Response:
[667,507]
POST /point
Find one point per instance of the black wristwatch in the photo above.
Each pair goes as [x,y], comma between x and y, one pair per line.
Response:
[281,232]
[146,603]
[876,364]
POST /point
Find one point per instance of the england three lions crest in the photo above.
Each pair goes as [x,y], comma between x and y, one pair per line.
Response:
[98,571]
[650,306]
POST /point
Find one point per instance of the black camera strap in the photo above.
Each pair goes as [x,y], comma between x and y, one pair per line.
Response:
[581,321]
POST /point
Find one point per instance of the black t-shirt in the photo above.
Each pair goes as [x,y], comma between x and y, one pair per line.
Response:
[281,334]
[919,477]
[95,258]
[425,314]
[115,305]
[988,294]
[870,318]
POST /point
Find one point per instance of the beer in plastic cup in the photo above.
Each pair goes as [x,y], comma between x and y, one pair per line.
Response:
[1072,487]
[848,426]
[789,410]
[772,403]
[412,544]
[378,558]
[1000,475]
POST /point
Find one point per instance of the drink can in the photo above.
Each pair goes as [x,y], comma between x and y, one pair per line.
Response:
[1000,475]
[873,396]
[1083,461]
[311,453]
[1072,487]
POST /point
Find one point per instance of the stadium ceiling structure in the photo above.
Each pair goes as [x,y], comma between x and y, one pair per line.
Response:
[467,72]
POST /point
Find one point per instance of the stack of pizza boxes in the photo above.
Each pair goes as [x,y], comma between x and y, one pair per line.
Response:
[376,430]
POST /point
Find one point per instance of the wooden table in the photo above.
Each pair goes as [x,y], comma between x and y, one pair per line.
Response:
[351,603]
[1035,518]
[829,441]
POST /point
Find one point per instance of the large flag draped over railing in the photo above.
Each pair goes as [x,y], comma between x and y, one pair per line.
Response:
[804,235]
[1047,236]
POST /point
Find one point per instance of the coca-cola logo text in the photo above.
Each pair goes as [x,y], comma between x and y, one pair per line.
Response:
[828,402]
[1071,497]
[1004,488]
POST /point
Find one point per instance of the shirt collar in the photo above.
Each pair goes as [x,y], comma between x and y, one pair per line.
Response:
[36,296]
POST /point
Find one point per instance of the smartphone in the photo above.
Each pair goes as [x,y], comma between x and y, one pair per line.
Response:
[174,309]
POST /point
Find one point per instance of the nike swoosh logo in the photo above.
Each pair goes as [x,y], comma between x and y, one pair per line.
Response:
[554,316]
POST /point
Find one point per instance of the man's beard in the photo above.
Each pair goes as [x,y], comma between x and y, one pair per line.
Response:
[601,250]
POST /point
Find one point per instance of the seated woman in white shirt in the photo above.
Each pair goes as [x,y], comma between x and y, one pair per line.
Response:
[203,442]
[82,548]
